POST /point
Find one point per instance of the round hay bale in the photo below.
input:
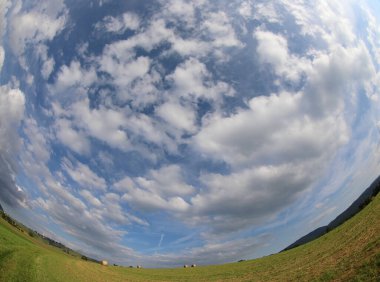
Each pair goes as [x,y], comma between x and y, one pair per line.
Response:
[139,266]
[104,262]
[194,265]
[185,266]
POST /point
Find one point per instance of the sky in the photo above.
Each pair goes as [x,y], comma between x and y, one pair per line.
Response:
[165,133]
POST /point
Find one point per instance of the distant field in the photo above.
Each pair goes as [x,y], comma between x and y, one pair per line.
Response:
[349,253]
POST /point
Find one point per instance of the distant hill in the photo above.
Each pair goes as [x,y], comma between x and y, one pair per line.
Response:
[34,234]
[350,252]
[363,200]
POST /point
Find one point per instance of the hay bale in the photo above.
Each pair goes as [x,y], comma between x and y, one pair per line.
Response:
[194,265]
[185,266]
[139,266]
[104,262]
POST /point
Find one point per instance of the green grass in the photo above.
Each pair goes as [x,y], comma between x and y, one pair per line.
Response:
[351,252]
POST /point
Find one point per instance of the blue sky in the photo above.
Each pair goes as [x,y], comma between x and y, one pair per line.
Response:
[172,132]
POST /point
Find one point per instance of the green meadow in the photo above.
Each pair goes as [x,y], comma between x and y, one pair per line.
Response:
[350,252]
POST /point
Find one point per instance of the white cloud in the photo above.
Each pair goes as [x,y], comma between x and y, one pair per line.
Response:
[148,128]
[88,227]
[183,11]
[337,28]
[120,24]
[373,31]
[192,80]
[182,118]
[167,180]
[303,16]
[161,189]
[127,71]
[64,195]
[245,9]
[47,68]
[190,47]
[73,76]
[37,25]
[38,141]
[4,6]
[91,199]
[12,104]
[330,20]
[143,91]
[84,176]
[267,12]
[48,63]
[250,196]
[333,75]
[273,49]
[220,30]
[156,33]
[113,212]
[103,124]
[276,135]
[271,130]
[147,201]
[76,140]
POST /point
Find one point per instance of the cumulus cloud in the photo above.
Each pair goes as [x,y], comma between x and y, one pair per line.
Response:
[279,131]
[220,30]
[73,76]
[263,12]
[38,25]
[181,10]
[103,124]
[178,116]
[4,6]
[161,189]
[90,198]
[48,63]
[192,80]
[12,104]
[273,49]
[248,197]
[341,70]
[275,137]
[245,9]
[119,24]
[84,176]
[124,73]
[373,33]
[76,140]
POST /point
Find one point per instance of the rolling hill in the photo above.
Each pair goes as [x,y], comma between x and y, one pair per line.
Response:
[353,209]
[350,252]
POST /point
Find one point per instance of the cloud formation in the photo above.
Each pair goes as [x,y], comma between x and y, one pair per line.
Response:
[12,103]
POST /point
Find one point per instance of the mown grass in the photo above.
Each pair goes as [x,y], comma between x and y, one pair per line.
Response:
[351,252]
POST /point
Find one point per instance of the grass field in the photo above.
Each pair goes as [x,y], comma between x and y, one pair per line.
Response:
[349,253]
